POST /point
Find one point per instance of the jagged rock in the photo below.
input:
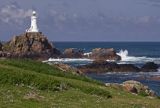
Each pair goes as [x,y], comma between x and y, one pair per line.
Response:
[73,53]
[104,54]
[30,45]
[138,88]
[150,67]
[133,87]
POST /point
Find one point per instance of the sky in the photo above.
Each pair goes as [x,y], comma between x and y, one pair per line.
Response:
[83,20]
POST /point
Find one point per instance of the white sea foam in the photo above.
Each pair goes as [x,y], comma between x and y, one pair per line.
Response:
[132,59]
[87,54]
[126,59]
[68,60]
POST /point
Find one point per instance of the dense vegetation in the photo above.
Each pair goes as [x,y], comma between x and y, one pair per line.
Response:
[30,84]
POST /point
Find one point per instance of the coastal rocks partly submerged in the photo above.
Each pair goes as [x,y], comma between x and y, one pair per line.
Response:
[104,54]
[30,45]
[150,66]
[96,54]
[104,66]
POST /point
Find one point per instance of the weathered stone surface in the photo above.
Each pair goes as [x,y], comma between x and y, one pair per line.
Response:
[133,87]
[73,53]
[138,88]
[30,45]
[150,67]
[104,54]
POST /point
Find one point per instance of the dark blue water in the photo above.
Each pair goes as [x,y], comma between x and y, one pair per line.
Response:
[149,49]
[139,53]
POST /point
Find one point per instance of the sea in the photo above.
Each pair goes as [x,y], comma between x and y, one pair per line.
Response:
[137,53]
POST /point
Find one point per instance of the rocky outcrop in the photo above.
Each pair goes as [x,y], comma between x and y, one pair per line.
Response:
[133,87]
[150,67]
[68,68]
[73,53]
[104,66]
[138,88]
[104,54]
[30,45]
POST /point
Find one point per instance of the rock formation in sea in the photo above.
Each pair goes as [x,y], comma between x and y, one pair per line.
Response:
[29,45]
[104,54]
[73,53]
[96,54]
[104,66]
[150,66]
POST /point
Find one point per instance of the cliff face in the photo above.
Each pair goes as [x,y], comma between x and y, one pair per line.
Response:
[30,45]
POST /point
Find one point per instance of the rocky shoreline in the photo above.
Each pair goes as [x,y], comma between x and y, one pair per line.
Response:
[36,46]
[29,45]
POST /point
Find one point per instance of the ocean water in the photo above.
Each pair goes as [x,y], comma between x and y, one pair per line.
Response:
[136,53]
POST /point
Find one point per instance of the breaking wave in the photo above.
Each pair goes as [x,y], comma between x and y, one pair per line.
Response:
[132,59]
[126,59]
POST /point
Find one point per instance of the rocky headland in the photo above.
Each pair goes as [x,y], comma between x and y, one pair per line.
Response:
[35,45]
[29,45]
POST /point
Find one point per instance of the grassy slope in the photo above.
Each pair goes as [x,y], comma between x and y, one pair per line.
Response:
[49,87]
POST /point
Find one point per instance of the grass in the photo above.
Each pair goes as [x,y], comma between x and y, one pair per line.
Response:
[30,84]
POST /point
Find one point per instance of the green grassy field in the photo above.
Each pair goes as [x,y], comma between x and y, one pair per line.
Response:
[31,84]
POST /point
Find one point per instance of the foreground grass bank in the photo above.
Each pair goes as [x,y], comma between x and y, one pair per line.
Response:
[31,84]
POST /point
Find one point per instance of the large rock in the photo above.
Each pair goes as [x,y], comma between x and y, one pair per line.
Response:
[138,88]
[104,66]
[150,67]
[30,45]
[133,87]
[73,53]
[104,54]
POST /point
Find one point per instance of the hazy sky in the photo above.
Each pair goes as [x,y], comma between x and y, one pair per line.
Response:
[84,20]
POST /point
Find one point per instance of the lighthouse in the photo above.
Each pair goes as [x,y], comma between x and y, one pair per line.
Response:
[33,27]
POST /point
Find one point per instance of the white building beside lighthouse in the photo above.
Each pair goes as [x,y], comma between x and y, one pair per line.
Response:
[33,27]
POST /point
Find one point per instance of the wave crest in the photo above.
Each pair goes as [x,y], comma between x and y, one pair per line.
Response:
[133,59]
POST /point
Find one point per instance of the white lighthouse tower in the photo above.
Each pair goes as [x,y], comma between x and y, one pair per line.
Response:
[33,27]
